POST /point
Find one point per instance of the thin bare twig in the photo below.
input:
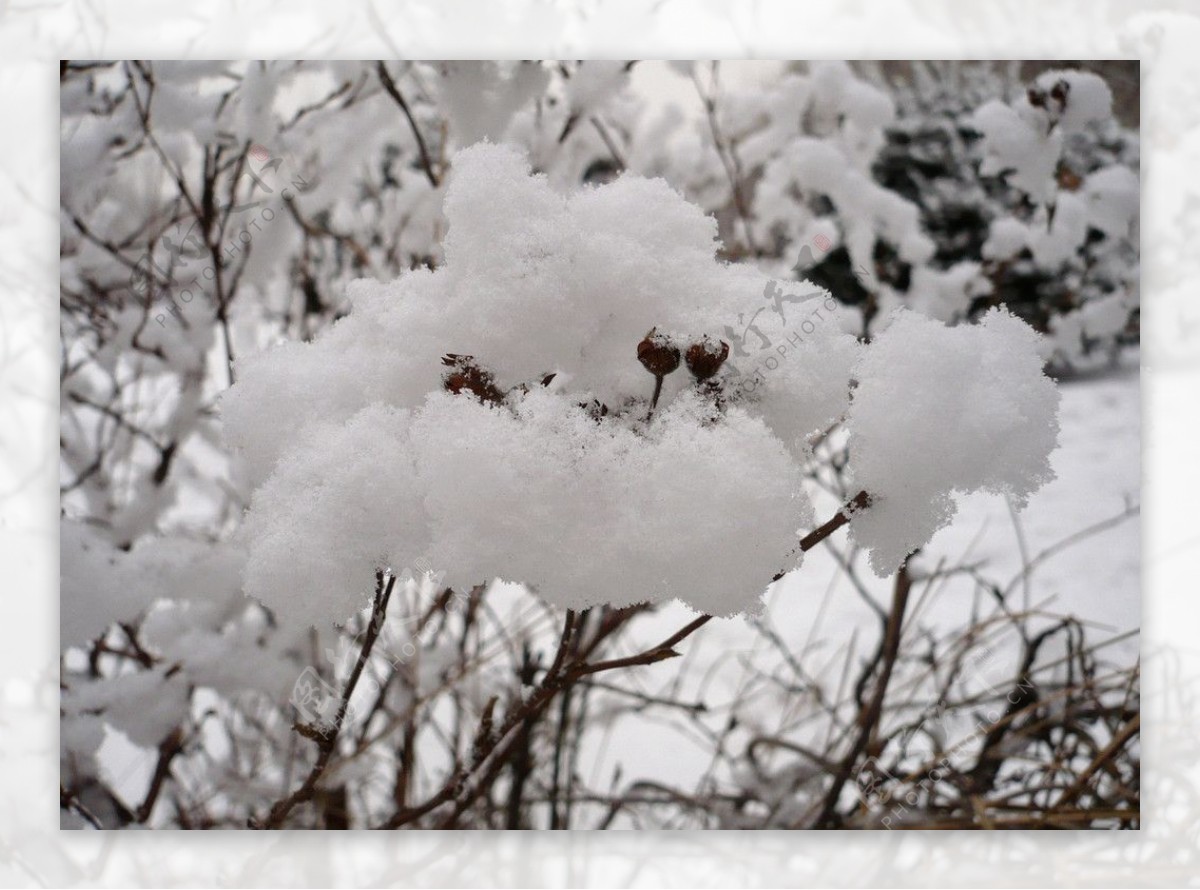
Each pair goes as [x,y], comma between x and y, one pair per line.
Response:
[392,90]
[327,740]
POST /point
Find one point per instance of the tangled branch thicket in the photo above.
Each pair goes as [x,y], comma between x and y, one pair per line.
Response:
[212,209]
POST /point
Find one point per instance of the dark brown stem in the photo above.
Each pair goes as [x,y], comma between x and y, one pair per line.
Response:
[327,741]
[661,652]
[728,158]
[868,717]
[495,750]
[658,382]
[1128,731]
[392,90]
[560,738]
[167,750]
[860,502]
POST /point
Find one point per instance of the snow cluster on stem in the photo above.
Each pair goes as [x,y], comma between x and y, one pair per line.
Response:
[494,415]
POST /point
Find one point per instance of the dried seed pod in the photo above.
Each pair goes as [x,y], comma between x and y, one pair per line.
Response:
[1058,93]
[658,354]
[1068,179]
[705,358]
[466,375]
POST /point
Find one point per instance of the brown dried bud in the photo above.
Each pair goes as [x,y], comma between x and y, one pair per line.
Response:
[1058,93]
[658,354]
[467,376]
[705,358]
[1068,179]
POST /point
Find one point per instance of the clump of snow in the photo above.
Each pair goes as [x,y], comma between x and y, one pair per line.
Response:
[1007,236]
[1073,99]
[481,97]
[534,282]
[868,212]
[1018,143]
[1109,201]
[805,389]
[1024,140]
[695,507]
[102,584]
[947,294]
[857,109]
[343,502]
[537,490]
[593,83]
[1096,321]
[817,136]
[224,649]
[944,410]
[540,492]
[80,736]
[1054,242]
[145,706]
[1114,197]
[553,469]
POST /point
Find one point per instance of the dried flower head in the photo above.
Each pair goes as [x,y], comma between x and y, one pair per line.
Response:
[705,357]
[465,374]
[658,354]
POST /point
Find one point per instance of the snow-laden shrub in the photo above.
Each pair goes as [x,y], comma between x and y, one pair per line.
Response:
[1031,194]
[562,387]
[944,191]
[554,406]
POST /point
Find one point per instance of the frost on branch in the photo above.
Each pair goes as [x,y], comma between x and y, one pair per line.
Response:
[942,410]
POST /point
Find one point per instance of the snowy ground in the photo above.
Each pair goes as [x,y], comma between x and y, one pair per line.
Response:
[1094,577]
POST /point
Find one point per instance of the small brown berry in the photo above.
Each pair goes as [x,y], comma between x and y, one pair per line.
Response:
[1058,93]
[705,358]
[1069,180]
[658,354]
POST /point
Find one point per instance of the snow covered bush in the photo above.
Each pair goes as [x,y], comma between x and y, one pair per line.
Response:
[411,411]
[1083,220]
[498,415]
[946,188]
[1031,193]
